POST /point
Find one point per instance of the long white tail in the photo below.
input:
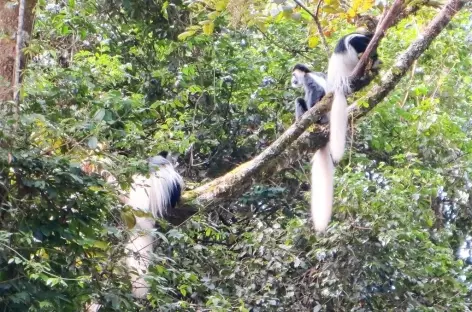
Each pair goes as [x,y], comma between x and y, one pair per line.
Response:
[322,175]
[341,64]
[139,251]
[155,194]
[338,125]
[339,68]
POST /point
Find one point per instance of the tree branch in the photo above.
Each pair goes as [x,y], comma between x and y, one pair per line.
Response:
[310,142]
[397,12]
[17,70]
[289,50]
[387,21]
[276,157]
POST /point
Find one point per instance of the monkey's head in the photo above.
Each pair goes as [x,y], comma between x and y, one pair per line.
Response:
[158,162]
[375,61]
[164,158]
[298,74]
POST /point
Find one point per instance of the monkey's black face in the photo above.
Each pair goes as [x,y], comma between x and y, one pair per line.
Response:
[164,154]
[297,78]
[376,62]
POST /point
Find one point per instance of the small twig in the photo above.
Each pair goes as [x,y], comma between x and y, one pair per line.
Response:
[412,75]
[320,29]
[441,79]
[17,73]
[290,50]
[317,22]
[318,6]
[362,228]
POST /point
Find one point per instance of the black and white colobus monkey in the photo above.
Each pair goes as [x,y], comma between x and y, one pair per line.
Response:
[341,64]
[156,194]
[314,84]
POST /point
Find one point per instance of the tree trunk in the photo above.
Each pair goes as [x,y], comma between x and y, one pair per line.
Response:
[9,13]
[8,28]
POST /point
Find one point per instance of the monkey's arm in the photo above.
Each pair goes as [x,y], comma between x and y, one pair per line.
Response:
[313,92]
[300,108]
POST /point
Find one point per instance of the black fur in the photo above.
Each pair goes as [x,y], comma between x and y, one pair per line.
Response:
[359,43]
[300,108]
[164,154]
[340,46]
[302,104]
[302,68]
[175,195]
[314,92]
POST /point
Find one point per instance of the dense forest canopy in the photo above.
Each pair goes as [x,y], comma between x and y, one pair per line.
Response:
[106,84]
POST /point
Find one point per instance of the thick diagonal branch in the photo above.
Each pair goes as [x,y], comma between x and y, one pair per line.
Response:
[283,152]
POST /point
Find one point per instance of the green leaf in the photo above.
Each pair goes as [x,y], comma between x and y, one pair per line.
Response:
[313,42]
[213,15]
[92,142]
[208,28]
[128,218]
[101,245]
[45,304]
[186,35]
[183,290]
[332,9]
[221,5]
[99,114]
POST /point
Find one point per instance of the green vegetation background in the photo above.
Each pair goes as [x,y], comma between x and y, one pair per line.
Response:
[210,80]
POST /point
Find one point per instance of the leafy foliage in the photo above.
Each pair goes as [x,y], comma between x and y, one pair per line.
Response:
[113,82]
